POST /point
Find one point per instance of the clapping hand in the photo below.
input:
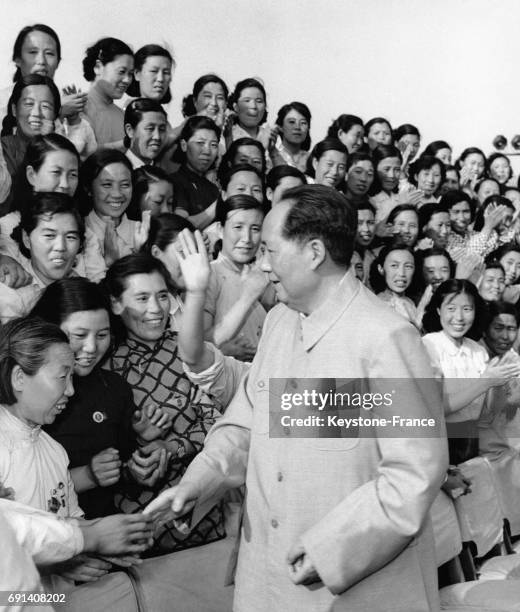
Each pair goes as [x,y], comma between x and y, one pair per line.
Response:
[151,422]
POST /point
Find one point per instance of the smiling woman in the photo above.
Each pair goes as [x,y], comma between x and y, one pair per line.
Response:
[145,129]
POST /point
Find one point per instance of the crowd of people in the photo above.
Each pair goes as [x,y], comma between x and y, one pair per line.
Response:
[157,280]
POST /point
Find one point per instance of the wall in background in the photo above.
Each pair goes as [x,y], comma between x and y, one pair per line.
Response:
[447,66]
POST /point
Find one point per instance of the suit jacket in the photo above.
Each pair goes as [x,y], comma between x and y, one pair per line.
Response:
[360,504]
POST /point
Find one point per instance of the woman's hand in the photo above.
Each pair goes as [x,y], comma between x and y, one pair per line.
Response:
[142,229]
[151,422]
[149,464]
[500,370]
[413,197]
[424,243]
[83,568]
[73,101]
[467,265]
[106,467]
[493,216]
[240,348]
[193,260]
[111,248]
[118,534]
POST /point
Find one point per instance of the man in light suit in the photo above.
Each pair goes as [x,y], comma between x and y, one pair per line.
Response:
[329,523]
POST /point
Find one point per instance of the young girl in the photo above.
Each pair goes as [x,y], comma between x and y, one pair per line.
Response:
[454,320]
[145,131]
[97,429]
[241,218]
[350,131]
[390,277]
[109,66]
[195,195]
[498,167]
[106,192]
[427,174]
[327,163]
[293,144]
[50,235]
[152,192]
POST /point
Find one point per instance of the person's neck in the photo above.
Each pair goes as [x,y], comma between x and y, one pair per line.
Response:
[17,413]
[292,148]
[252,131]
[101,93]
[194,170]
[149,343]
[326,286]
[116,220]
[456,341]
[44,280]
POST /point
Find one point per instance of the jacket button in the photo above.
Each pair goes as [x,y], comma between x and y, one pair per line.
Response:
[274,523]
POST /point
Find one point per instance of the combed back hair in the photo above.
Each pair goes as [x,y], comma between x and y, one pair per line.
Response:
[322,213]
[104,50]
[64,297]
[91,168]
[456,196]
[244,84]
[227,176]
[237,202]
[359,156]
[228,159]
[426,162]
[375,120]
[276,174]
[427,211]
[164,229]
[20,39]
[434,147]
[42,204]
[188,103]
[407,129]
[142,178]
[453,287]
[304,110]
[9,122]
[344,123]
[134,113]
[140,58]
[329,144]
[115,282]
[25,343]
[495,309]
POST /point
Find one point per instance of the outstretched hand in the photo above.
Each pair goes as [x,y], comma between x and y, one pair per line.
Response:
[193,260]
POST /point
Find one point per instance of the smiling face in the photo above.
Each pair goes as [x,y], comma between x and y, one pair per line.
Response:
[211,100]
[35,112]
[500,170]
[398,269]
[54,244]
[353,138]
[114,77]
[88,332]
[444,155]
[39,55]
[295,128]
[144,306]
[438,229]
[112,191]
[492,284]
[460,217]
[158,199]
[429,180]
[360,177]
[201,150]
[244,182]
[411,142]
[148,137]
[388,172]
[511,264]
[42,397]
[241,235]
[379,134]
[475,164]
[58,173]
[406,226]
[154,77]
[436,270]
[366,227]
[250,107]
[330,168]
[501,334]
[457,313]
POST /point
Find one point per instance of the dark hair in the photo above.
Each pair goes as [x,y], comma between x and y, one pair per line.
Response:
[164,229]
[493,157]
[427,211]
[493,199]
[402,208]
[453,197]
[64,297]
[367,206]
[329,144]
[323,213]
[493,264]
[134,114]
[380,153]
[228,159]
[191,125]
[237,202]
[91,168]
[434,147]
[227,176]
[405,130]
[141,179]
[358,156]
[376,278]
[24,342]
[375,120]
[20,39]
[453,169]
[423,254]
[495,309]
[188,103]
[104,50]
[9,122]
[425,162]
[344,123]
[431,319]
[469,151]
[502,251]
[304,110]
[276,174]
[240,86]
[45,203]
[35,155]
[486,179]
[134,89]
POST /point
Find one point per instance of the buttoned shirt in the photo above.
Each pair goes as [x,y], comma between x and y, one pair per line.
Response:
[124,233]
[355,503]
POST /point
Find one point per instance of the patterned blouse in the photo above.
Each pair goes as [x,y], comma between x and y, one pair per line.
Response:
[156,376]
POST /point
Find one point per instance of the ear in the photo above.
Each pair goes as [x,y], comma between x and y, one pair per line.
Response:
[116,305]
[13,110]
[380,269]
[129,131]
[341,133]
[17,378]
[155,251]
[220,230]
[269,194]
[235,107]
[439,311]
[137,74]
[98,68]
[25,240]
[317,251]
[184,146]
[30,174]
[314,163]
